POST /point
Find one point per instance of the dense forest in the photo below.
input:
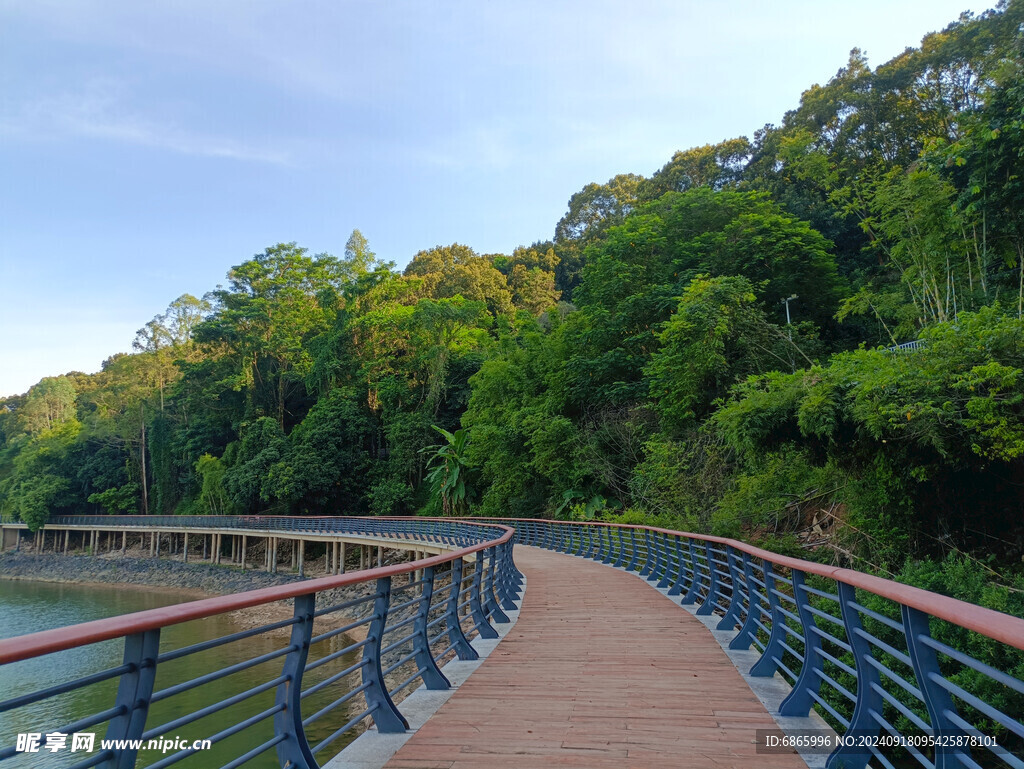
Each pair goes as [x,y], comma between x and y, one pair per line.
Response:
[712,347]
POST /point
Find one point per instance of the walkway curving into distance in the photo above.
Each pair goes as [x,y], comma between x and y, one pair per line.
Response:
[601,672]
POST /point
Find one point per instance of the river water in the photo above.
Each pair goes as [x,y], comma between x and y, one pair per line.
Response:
[27,607]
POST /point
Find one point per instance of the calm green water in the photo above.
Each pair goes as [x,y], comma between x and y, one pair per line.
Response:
[27,607]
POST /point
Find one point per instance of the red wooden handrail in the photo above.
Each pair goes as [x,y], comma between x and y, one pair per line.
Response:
[59,639]
[996,625]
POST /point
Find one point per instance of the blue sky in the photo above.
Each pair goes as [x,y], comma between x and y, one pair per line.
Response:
[145,148]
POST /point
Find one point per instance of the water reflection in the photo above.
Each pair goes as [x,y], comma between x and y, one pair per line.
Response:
[31,606]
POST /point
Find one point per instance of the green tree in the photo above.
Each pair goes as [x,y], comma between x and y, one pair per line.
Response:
[358,256]
[714,165]
[716,337]
[213,497]
[914,221]
[446,272]
[526,444]
[782,255]
[635,276]
[449,328]
[985,163]
[117,500]
[592,211]
[533,290]
[278,301]
[927,439]
[248,479]
[597,207]
[49,404]
[325,466]
[449,470]
[37,483]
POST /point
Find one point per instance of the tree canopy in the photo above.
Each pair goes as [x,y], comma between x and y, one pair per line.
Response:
[712,347]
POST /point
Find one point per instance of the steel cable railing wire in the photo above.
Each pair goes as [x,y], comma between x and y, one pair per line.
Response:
[351,645]
[869,655]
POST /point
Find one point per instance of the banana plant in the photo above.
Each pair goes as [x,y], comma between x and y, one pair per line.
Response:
[447,472]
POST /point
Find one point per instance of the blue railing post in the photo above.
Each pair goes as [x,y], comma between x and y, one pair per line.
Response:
[561,545]
[532,533]
[773,651]
[606,546]
[708,606]
[433,678]
[517,576]
[655,574]
[615,532]
[693,591]
[133,694]
[456,637]
[633,553]
[745,636]
[677,586]
[666,563]
[508,583]
[490,599]
[574,543]
[385,715]
[294,749]
[937,700]
[799,701]
[648,564]
[869,701]
[483,627]
[524,532]
[732,614]
[620,548]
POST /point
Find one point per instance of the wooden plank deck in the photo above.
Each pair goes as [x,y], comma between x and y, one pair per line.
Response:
[601,672]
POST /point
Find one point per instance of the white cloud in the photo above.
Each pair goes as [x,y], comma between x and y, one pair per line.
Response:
[99,111]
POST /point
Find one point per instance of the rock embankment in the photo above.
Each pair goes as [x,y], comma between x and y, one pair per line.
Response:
[193,578]
[190,580]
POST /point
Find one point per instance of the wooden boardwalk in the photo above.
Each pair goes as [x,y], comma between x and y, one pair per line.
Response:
[601,672]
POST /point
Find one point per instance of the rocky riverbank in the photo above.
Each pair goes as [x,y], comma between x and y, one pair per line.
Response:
[196,580]
[189,580]
[193,579]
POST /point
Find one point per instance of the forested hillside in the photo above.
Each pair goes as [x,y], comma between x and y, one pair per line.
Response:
[708,347]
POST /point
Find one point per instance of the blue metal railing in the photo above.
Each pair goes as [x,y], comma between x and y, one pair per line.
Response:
[448,532]
[345,660]
[910,346]
[873,657]
[905,676]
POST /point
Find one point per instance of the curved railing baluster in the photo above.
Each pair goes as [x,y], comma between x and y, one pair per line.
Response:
[134,692]
[749,591]
[294,749]
[866,672]
[494,581]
